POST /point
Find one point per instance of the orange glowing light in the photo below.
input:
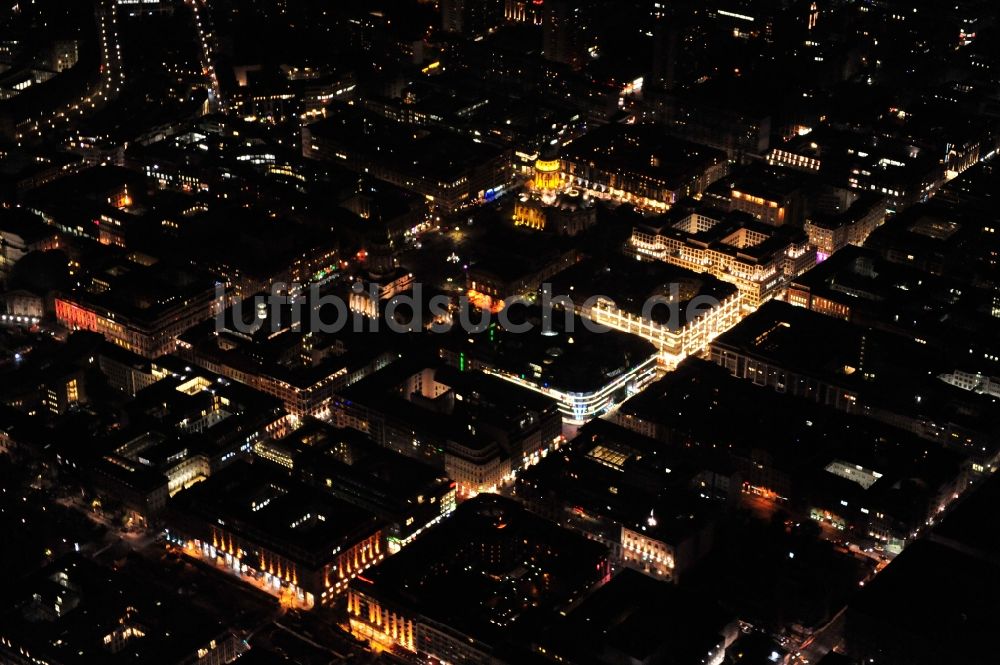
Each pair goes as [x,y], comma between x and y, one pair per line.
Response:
[485,302]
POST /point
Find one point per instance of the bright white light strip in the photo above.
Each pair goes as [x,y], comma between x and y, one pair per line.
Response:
[743,17]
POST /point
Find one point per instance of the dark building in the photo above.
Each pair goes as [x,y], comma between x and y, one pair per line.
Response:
[475,588]
[451,171]
[861,371]
[105,616]
[641,621]
[877,484]
[479,429]
[470,17]
[567,31]
[409,495]
[655,509]
[640,165]
[295,541]
[937,599]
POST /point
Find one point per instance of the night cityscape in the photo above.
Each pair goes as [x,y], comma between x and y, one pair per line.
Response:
[500,332]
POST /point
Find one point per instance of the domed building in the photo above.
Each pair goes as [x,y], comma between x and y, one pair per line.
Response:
[548,175]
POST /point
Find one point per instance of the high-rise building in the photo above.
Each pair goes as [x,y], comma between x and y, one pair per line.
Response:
[470,17]
[566,32]
[666,35]
[524,11]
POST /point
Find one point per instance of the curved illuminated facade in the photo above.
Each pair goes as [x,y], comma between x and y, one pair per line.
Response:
[580,408]
[548,175]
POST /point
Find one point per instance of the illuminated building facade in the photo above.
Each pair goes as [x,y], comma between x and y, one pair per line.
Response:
[639,165]
[831,233]
[680,315]
[369,299]
[904,174]
[794,159]
[861,286]
[149,339]
[581,407]
[308,372]
[444,616]
[771,212]
[772,196]
[290,540]
[530,214]
[567,214]
[416,411]
[548,175]
[524,11]
[543,358]
[509,268]
[654,509]
[757,259]
[642,551]
[674,344]
[410,496]
[180,430]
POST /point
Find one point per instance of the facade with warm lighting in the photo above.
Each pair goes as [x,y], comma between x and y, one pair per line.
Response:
[408,495]
[519,271]
[548,175]
[566,214]
[294,542]
[771,196]
[674,344]
[426,607]
[655,509]
[146,325]
[757,259]
[647,553]
[149,339]
[638,165]
[831,233]
[311,368]
[680,315]
[415,411]
[902,170]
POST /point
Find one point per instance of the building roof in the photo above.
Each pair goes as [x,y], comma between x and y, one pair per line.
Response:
[883,369]
[643,150]
[266,507]
[632,284]
[68,612]
[489,571]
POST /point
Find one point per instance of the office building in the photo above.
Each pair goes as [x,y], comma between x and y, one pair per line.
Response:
[296,542]
[758,259]
[454,594]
